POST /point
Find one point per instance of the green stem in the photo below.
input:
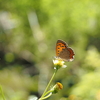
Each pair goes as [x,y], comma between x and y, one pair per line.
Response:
[2,93]
[48,84]
[46,96]
[47,92]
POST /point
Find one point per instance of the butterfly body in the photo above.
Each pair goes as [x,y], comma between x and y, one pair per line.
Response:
[63,51]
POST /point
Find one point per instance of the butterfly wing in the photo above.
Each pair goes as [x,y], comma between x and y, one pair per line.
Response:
[60,45]
[63,51]
[67,54]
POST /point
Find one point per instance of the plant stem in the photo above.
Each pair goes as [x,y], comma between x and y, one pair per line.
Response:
[48,84]
[2,93]
[47,96]
[48,92]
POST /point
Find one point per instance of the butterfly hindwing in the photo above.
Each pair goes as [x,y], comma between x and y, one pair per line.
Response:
[64,54]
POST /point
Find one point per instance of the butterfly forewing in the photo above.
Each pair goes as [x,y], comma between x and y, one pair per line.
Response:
[60,45]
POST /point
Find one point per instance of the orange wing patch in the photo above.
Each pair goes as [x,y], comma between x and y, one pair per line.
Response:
[59,48]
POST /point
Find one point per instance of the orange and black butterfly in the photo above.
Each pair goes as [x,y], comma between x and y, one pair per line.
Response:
[63,51]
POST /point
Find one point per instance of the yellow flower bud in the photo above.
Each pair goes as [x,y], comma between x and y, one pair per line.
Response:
[58,86]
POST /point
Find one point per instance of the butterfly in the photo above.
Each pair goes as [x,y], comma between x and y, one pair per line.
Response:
[64,52]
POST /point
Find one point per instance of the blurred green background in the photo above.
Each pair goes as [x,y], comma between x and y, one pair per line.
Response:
[29,30]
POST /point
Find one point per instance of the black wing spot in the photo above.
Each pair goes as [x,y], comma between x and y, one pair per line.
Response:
[62,46]
[63,49]
[58,51]
[58,44]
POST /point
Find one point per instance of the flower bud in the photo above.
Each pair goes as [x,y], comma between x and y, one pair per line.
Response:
[58,86]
